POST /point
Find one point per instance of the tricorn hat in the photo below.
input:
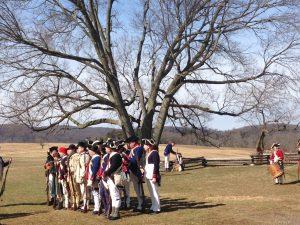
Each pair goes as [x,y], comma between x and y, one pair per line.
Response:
[97,142]
[72,147]
[120,143]
[82,144]
[148,142]
[275,145]
[107,143]
[132,138]
[93,148]
[53,148]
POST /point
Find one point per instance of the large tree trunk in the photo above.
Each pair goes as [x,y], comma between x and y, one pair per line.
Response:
[161,120]
[123,115]
[260,146]
[146,128]
[125,122]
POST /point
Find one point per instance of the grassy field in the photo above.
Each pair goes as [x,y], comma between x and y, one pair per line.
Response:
[212,195]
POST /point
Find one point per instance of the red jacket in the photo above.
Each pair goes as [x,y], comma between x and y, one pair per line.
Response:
[279,154]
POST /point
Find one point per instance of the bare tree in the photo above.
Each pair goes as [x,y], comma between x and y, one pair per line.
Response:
[276,111]
[76,62]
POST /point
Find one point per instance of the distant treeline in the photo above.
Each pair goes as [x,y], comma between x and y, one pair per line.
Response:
[245,137]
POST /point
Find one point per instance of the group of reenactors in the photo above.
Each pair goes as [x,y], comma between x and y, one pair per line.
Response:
[101,172]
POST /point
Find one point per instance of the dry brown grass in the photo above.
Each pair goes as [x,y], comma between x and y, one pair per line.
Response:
[211,152]
[212,195]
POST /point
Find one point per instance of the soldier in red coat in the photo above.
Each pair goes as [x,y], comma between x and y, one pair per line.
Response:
[277,156]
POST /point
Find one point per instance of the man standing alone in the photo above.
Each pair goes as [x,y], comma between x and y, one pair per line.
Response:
[167,152]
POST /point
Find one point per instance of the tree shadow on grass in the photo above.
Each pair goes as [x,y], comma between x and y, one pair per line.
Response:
[193,167]
[175,174]
[24,203]
[292,182]
[16,215]
[171,205]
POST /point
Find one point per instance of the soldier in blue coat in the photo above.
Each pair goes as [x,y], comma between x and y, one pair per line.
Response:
[167,153]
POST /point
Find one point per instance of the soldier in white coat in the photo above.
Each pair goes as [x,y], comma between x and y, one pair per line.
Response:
[73,163]
[81,175]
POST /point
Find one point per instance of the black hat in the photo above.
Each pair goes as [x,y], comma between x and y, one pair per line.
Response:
[119,143]
[82,144]
[113,145]
[53,148]
[133,138]
[97,142]
[148,142]
[275,145]
[93,148]
[72,147]
[108,141]
[89,142]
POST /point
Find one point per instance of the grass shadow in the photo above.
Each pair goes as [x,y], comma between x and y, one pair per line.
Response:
[292,182]
[24,203]
[17,215]
[170,205]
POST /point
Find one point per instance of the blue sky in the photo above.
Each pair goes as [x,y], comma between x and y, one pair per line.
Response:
[225,123]
[126,11]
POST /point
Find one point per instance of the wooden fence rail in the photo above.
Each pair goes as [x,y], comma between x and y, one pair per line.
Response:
[290,158]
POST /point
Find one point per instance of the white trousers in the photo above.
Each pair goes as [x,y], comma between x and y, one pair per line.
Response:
[96,200]
[65,193]
[279,180]
[153,190]
[51,184]
[85,195]
[137,188]
[167,161]
[114,194]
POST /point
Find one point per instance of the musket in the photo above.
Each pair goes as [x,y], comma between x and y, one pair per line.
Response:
[47,185]
[143,195]
[47,172]
[4,181]
[85,183]
[57,183]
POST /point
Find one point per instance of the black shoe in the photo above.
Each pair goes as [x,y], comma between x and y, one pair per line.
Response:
[113,218]
[59,206]
[153,212]
[137,210]
[54,203]
[51,202]
[96,213]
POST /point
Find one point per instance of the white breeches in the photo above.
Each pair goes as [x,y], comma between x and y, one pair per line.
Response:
[114,194]
[96,197]
[65,193]
[51,183]
[153,190]
[167,161]
[85,194]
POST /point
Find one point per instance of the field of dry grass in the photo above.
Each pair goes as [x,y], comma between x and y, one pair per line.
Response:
[212,195]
